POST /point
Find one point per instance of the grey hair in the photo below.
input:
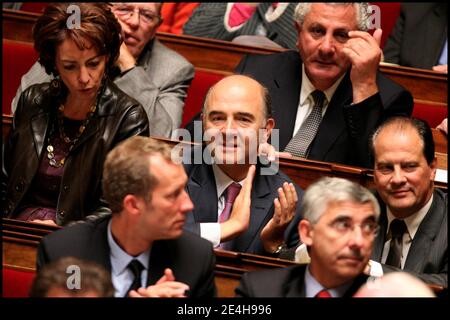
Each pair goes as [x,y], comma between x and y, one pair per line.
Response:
[362,13]
[329,190]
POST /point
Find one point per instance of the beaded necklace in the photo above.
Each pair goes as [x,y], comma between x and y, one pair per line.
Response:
[51,156]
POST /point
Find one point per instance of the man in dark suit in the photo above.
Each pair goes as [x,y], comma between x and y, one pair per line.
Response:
[413,233]
[339,60]
[142,242]
[339,226]
[419,38]
[237,118]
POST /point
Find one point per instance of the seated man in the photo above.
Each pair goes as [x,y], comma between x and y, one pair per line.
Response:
[339,226]
[329,97]
[237,116]
[413,234]
[419,38]
[142,242]
[72,278]
[149,72]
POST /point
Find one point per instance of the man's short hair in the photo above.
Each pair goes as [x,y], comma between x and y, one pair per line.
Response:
[127,170]
[55,275]
[265,98]
[403,123]
[329,190]
[362,13]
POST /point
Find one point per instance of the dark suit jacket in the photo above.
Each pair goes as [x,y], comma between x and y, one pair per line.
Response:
[202,189]
[418,36]
[427,257]
[191,258]
[344,132]
[282,283]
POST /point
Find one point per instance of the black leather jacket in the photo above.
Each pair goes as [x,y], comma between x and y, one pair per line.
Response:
[117,118]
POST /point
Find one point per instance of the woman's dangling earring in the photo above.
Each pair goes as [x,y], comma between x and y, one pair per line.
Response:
[55,86]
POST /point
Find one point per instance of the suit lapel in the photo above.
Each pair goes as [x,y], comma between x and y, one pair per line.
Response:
[39,127]
[333,123]
[423,240]
[379,241]
[203,192]
[159,260]
[295,287]
[286,90]
[99,250]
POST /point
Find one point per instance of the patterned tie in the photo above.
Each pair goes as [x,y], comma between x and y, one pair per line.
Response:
[323,294]
[231,193]
[398,228]
[136,268]
[299,144]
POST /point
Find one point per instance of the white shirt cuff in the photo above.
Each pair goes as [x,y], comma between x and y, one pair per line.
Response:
[211,232]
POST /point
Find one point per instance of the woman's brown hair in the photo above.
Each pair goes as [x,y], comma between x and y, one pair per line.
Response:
[98,25]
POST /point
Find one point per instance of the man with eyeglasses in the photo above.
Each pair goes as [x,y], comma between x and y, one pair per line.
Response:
[148,71]
[339,226]
[413,221]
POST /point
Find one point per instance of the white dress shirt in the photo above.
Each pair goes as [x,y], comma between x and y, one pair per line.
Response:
[211,230]
[122,277]
[313,287]
[306,101]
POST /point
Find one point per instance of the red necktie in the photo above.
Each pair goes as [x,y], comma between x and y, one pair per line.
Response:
[323,294]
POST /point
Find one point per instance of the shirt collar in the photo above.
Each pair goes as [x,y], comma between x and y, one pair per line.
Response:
[313,287]
[413,221]
[119,258]
[307,88]
[222,180]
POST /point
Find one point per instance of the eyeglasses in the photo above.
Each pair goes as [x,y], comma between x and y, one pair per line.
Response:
[345,227]
[125,12]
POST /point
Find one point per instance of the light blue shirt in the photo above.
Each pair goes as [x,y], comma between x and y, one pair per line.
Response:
[313,287]
[122,276]
[443,58]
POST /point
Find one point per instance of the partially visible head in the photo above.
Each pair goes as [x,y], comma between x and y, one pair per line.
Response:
[139,21]
[72,277]
[98,30]
[238,106]
[395,284]
[405,164]
[140,180]
[340,221]
[322,33]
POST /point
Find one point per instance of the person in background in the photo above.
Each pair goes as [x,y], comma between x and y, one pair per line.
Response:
[146,70]
[339,226]
[141,242]
[70,277]
[419,38]
[329,97]
[227,21]
[62,130]
[413,233]
[175,15]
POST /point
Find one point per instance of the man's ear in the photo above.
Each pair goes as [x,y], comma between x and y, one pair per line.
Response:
[132,204]
[270,124]
[433,167]
[306,232]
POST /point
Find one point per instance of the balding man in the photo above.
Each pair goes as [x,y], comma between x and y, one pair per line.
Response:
[154,75]
[237,113]
[413,233]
